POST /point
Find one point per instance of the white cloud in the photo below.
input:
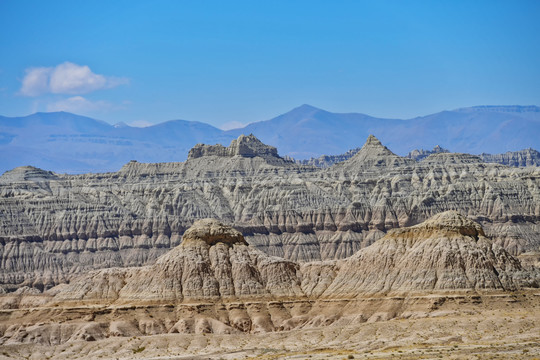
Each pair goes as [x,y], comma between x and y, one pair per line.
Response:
[36,81]
[78,104]
[232,125]
[67,78]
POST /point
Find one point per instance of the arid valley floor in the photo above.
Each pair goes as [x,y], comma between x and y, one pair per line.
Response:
[501,327]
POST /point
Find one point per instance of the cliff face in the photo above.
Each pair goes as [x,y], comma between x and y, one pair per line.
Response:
[54,226]
[325,161]
[245,146]
[526,157]
[214,282]
[214,262]
[422,154]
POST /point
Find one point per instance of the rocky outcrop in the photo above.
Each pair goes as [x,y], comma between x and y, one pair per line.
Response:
[56,226]
[245,146]
[526,157]
[325,161]
[372,156]
[419,154]
[26,173]
[213,262]
[447,252]
[214,282]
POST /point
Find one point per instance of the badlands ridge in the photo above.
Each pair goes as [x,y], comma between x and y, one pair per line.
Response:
[198,259]
[214,282]
[56,226]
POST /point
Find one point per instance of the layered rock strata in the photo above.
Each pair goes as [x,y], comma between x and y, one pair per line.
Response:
[420,154]
[54,226]
[212,262]
[214,282]
[244,146]
[446,253]
[522,158]
[325,161]
[525,157]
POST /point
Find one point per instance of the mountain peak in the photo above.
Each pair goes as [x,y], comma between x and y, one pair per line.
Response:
[307,107]
[374,147]
[374,154]
[27,173]
[304,109]
[373,141]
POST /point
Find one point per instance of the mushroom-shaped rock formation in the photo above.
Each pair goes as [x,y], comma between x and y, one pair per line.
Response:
[211,231]
[446,252]
[212,262]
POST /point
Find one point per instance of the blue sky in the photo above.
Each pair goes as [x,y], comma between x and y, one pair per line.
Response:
[235,62]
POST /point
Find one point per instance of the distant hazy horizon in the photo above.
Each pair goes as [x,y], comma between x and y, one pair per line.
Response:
[237,62]
[244,125]
[65,142]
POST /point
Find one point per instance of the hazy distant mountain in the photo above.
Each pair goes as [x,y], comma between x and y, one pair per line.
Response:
[65,142]
[308,132]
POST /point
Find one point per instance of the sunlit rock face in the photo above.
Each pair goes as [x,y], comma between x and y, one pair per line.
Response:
[446,252]
[215,282]
[245,146]
[525,157]
[214,262]
[54,226]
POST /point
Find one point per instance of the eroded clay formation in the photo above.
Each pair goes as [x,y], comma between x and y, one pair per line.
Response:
[214,282]
[55,226]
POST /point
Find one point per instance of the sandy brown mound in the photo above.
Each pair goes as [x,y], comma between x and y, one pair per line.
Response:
[447,252]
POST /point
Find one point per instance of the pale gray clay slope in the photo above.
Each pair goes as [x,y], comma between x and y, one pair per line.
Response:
[214,262]
[53,226]
[420,154]
[525,157]
[214,282]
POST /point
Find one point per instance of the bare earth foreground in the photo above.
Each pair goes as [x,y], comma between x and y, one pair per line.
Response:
[499,327]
